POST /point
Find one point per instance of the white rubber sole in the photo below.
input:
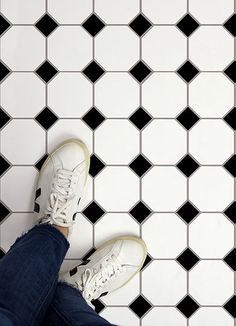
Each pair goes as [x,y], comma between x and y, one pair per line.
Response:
[71,140]
[127,237]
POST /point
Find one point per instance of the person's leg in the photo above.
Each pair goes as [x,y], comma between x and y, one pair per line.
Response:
[29,275]
[69,308]
[110,267]
[29,271]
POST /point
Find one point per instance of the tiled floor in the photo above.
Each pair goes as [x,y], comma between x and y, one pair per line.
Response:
[150,87]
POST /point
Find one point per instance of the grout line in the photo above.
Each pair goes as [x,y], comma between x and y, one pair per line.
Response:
[119,118]
[127,165]
[140,150]
[126,25]
[187,54]
[121,71]
[93,100]
[234,153]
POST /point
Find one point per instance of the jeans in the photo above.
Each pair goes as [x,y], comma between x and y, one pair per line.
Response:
[30,293]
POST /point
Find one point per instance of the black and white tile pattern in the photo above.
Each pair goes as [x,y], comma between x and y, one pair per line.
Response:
[149,85]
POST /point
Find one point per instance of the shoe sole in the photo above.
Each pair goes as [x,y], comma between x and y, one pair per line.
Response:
[133,238]
[71,140]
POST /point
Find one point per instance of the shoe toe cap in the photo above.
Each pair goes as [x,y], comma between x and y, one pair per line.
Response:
[132,252]
[70,156]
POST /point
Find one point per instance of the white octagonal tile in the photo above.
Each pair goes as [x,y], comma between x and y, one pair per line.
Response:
[29,44]
[116,141]
[155,95]
[211,141]
[211,48]
[211,188]
[164,188]
[170,140]
[70,11]
[165,235]
[16,144]
[116,188]
[117,12]
[70,48]
[116,95]
[164,282]
[211,95]
[18,180]
[211,282]
[116,48]
[216,233]
[158,44]
[70,95]
[24,11]
[29,95]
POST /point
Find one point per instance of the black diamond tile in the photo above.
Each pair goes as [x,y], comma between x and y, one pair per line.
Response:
[4,24]
[93,25]
[187,259]
[46,25]
[230,212]
[187,71]
[146,262]
[187,165]
[93,118]
[95,165]
[140,211]
[187,306]
[46,71]
[187,25]
[140,165]
[93,212]
[4,71]
[99,306]
[187,212]
[187,118]
[140,118]
[2,253]
[39,164]
[230,165]
[230,25]
[140,306]
[140,71]
[93,71]
[46,118]
[230,118]
[230,71]
[4,118]
[3,211]
[140,24]
[4,165]
[230,306]
[230,259]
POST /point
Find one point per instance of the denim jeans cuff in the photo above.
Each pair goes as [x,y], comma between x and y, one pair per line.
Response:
[54,232]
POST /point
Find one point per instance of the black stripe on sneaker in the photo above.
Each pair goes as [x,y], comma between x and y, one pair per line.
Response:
[85,262]
[103,294]
[37,193]
[73,271]
[36,207]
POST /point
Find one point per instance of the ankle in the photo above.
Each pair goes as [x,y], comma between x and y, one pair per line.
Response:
[62,229]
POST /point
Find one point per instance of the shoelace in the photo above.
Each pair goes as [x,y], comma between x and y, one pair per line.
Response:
[91,283]
[61,195]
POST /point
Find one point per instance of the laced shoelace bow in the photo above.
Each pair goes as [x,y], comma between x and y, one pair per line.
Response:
[61,195]
[89,284]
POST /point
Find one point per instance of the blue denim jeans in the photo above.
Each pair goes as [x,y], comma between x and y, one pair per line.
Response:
[30,293]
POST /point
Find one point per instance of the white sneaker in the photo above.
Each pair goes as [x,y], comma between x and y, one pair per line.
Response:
[61,183]
[110,267]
